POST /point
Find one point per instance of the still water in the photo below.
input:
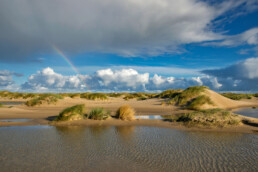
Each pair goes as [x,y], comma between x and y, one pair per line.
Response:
[11,103]
[14,120]
[47,148]
[250,112]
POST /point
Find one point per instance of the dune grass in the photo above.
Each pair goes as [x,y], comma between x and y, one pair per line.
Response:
[142,98]
[76,112]
[125,112]
[209,117]
[94,96]
[114,94]
[197,102]
[237,96]
[171,93]
[185,97]
[1,105]
[188,94]
[44,98]
[99,114]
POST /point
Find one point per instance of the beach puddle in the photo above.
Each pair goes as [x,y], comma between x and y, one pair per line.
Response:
[249,112]
[154,117]
[149,117]
[11,103]
[124,148]
[15,120]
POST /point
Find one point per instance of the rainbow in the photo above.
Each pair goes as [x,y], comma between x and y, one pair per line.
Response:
[69,63]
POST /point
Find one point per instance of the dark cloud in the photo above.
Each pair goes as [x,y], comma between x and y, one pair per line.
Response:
[129,28]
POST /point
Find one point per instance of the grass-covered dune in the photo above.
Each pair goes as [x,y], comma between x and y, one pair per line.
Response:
[190,98]
[209,117]
[44,98]
[238,96]
[73,113]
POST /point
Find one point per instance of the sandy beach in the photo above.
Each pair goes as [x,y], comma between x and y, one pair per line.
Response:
[44,114]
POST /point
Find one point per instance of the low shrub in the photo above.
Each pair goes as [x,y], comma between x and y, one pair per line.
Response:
[76,112]
[99,114]
[125,112]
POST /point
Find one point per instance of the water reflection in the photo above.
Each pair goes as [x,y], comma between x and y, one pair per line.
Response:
[71,133]
[124,148]
[125,132]
[11,103]
[250,112]
[14,120]
[98,131]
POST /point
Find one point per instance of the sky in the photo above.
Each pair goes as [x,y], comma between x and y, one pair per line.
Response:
[128,46]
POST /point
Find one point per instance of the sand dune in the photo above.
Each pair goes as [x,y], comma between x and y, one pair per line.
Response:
[224,102]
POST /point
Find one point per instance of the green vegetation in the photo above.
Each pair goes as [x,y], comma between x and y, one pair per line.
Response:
[255,95]
[210,117]
[76,112]
[1,105]
[197,102]
[188,94]
[125,112]
[44,98]
[236,96]
[99,114]
[71,95]
[189,97]
[94,96]
[171,93]
[13,95]
[114,94]
[142,98]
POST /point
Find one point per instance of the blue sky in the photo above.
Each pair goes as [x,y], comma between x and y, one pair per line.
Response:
[128,46]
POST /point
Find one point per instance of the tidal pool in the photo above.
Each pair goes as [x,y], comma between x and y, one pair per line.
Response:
[124,148]
[250,112]
[148,117]
[14,120]
[11,103]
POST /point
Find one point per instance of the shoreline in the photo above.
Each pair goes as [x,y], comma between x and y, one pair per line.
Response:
[43,114]
[243,128]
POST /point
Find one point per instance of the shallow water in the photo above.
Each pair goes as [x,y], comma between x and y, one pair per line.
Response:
[250,112]
[47,148]
[15,120]
[148,117]
[11,103]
